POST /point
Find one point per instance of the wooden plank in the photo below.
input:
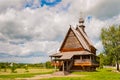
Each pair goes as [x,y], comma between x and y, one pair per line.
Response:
[83,64]
[72,49]
[71,43]
[53,63]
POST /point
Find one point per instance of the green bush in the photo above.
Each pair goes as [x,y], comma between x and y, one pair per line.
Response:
[13,68]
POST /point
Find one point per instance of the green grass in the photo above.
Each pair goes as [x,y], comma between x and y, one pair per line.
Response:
[64,78]
[103,74]
[100,74]
[22,74]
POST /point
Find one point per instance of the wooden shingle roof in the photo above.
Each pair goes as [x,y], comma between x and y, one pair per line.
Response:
[69,55]
[77,40]
[81,39]
[84,35]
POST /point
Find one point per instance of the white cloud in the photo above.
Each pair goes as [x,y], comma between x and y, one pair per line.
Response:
[99,47]
[105,9]
[93,28]
[25,31]
[7,4]
[28,48]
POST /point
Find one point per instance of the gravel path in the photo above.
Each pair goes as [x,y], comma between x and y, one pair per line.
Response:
[38,77]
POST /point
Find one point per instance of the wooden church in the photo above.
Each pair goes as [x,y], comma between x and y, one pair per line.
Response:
[76,53]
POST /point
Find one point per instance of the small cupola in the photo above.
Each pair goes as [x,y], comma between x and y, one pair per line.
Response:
[81,23]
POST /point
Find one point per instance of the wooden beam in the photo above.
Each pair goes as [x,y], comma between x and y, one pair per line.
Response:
[63,66]
[90,58]
[71,49]
[67,65]
[81,57]
[55,65]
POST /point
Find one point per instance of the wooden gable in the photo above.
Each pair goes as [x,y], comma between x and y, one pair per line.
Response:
[71,42]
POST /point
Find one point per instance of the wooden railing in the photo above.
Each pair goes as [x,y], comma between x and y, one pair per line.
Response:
[84,62]
[53,63]
[95,63]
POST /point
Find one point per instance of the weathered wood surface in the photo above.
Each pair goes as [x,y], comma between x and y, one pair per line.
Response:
[71,43]
[79,48]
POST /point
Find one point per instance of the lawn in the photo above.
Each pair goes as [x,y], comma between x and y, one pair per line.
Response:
[101,74]
[21,73]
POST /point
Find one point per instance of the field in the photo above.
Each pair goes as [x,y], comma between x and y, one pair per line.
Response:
[21,73]
[100,74]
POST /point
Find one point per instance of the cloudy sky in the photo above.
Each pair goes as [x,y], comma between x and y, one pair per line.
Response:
[31,30]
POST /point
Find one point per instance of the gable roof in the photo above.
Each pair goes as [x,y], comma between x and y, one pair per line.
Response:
[66,56]
[80,38]
[77,40]
[84,35]
[71,29]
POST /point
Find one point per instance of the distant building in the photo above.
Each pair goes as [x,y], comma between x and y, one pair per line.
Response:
[76,53]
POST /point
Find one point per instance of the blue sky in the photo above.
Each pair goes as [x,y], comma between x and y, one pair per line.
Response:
[41,3]
[31,30]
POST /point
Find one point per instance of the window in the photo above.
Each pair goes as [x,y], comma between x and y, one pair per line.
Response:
[76,57]
[86,57]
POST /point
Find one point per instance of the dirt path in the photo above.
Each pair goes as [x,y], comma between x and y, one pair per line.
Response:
[38,77]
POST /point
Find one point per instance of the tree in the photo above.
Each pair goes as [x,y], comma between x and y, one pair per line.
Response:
[26,68]
[101,60]
[5,67]
[111,41]
[13,67]
[48,64]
